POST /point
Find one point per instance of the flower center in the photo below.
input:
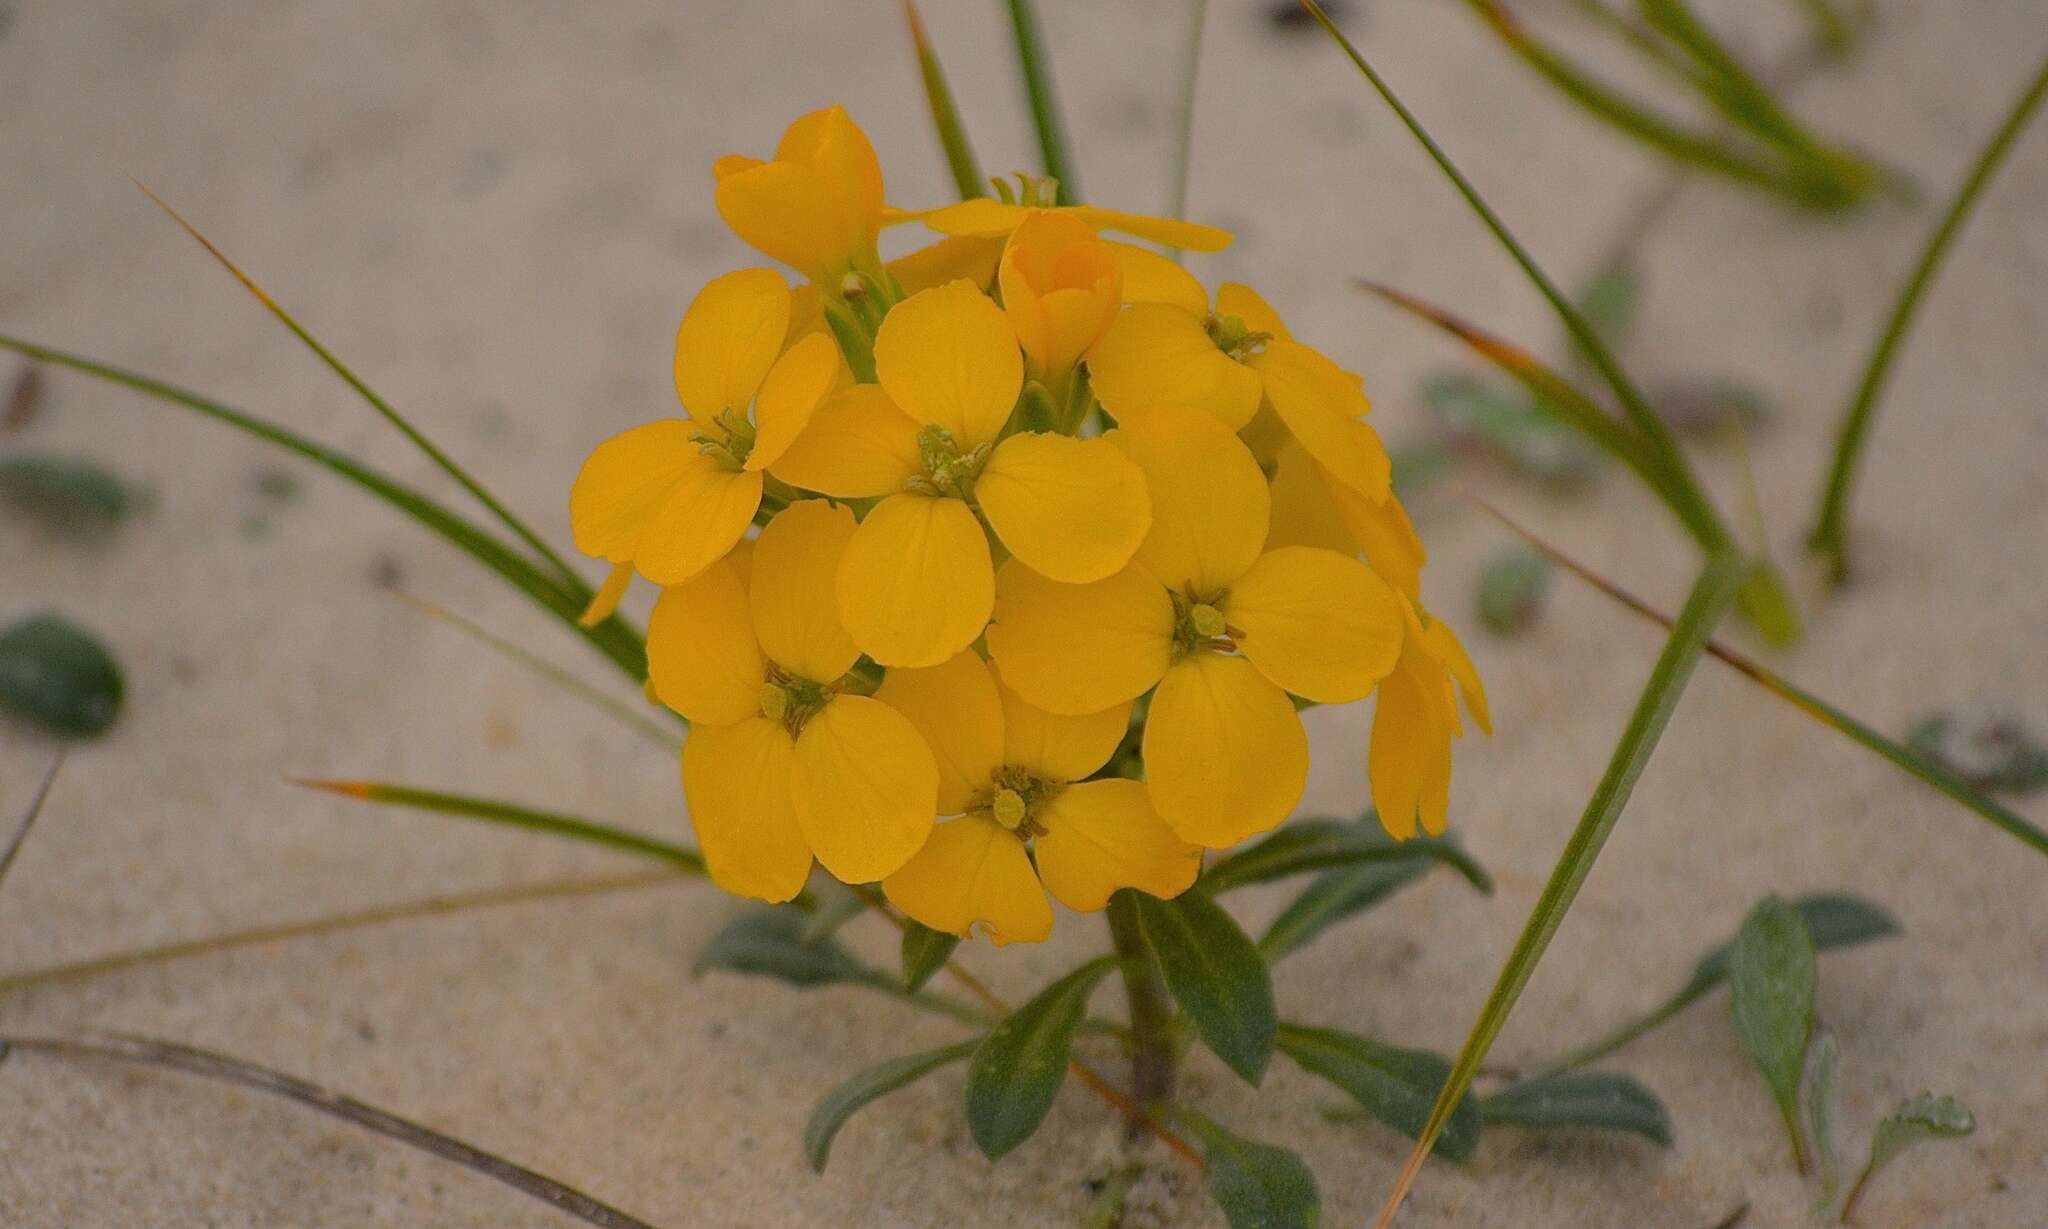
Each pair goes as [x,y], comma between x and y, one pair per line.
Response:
[1008,808]
[1016,797]
[1199,624]
[1233,336]
[790,701]
[947,470]
[730,439]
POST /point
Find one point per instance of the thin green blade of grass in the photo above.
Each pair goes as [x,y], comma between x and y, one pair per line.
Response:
[1730,87]
[29,817]
[208,1064]
[1711,596]
[938,96]
[1036,67]
[1184,117]
[1898,754]
[614,638]
[513,815]
[1829,538]
[432,451]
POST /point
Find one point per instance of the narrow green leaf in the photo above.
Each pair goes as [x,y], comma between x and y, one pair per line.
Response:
[56,674]
[1597,1099]
[1512,585]
[1771,976]
[1925,1117]
[769,942]
[1833,919]
[1017,1069]
[925,952]
[1509,428]
[71,494]
[1819,1095]
[1609,302]
[938,97]
[1394,1085]
[1258,1186]
[843,1102]
[1216,974]
[1318,844]
[1184,114]
[1332,897]
[1036,68]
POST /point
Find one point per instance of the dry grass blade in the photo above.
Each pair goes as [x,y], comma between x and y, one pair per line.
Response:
[28,821]
[205,1063]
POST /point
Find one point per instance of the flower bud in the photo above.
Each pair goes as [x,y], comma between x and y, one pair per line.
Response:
[1061,288]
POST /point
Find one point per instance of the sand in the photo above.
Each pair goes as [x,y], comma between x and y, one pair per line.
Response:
[497,212]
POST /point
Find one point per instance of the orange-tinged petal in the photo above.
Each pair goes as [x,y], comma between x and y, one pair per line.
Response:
[1210,506]
[973,875]
[1303,512]
[787,212]
[736,779]
[1168,232]
[728,339]
[1061,288]
[1240,300]
[1439,642]
[981,217]
[917,582]
[1156,354]
[1317,623]
[955,708]
[973,258]
[790,395]
[702,659]
[1104,835]
[856,445]
[1225,754]
[708,510]
[831,144]
[795,561]
[948,358]
[625,482]
[1079,649]
[1056,747]
[865,788]
[1074,510]
[1320,403]
[1152,278]
[1383,531]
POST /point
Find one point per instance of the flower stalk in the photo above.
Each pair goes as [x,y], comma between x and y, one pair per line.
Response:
[1153,1053]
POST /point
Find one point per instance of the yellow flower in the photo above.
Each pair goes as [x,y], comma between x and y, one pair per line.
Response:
[1224,628]
[671,497]
[1312,508]
[816,206]
[783,760]
[918,579]
[1229,362]
[984,217]
[1061,287]
[1014,775]
[1416,717]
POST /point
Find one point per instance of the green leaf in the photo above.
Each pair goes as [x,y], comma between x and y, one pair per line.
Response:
[75,495]
[1036,68]
[1771,977]
[1707,405]
[55,674]
[836,906]
[1017,1069]
[1512,586]
[1925,1117]
[1609,301]
[1833,919]
[938,96]
[925,952]
[1216,974]
[1598,1099]
[1819,1095]
[1258,1186]
[1332,897]
[1991,751]
[843,1102]
[1520,436]
[1394,1085]
[770,943]
[1318,844]
[514,816]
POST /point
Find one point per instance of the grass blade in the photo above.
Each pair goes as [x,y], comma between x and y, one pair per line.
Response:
[1045,108]
[28,819]
[433,452]
[564,599]
[191,1060]
[967,178]
[1184,116]
[513,815]
[1829,538]
[1711,595]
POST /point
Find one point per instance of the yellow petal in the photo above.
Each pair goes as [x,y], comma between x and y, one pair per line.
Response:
[1303,512]
[1156,354]
[605,602]
[1210,506]
[795,562]
[917,582]
[1074,510]
[1317,623]
[948,260]
[1409,759]
[1168,232]
[1079,649]
[981,217]
[856,445]
[831,144]
[736,781]
[790,395]
[1383,531]
[1056,747]
[1152,278]
[955,708]
[1061,288]
[1225,755]
[948,358]
[1104,835]
[728,339]
[865,788]
[973,875]
[624,484]
[787,212]
[708,509]
[1439,642]
[1320,403]
[702,659]
[1240,300]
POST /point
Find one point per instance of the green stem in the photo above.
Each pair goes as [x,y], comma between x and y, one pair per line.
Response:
[1184,116]
[1593,1052]
[1152,1051]
[1829,536]
[938,95]
[1045,113]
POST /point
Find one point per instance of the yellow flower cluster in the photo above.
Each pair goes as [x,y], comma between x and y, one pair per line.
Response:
[980,649]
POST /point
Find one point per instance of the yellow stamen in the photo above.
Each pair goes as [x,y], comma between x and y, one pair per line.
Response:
[1008,808]
[774,701]
[607,598]
[1206,620]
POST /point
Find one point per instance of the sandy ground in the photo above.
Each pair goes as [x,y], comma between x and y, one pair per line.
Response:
[497,212]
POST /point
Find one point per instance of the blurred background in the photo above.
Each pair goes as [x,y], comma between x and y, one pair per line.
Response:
[496,213]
